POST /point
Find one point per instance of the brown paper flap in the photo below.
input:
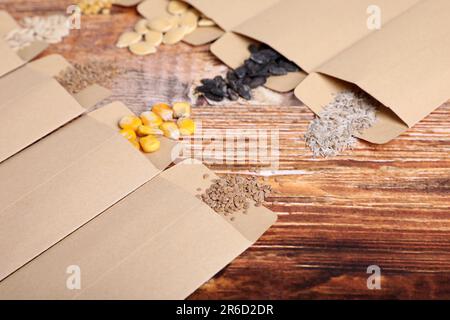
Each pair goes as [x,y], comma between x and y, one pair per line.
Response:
[312,32]
[112,113]
[34,105]
[91,95]
[147,246]
[58,184]
[203,35]
[251,225]
[317,90]
[232,49]
[50,65]
[7,23]
[231,13]
[53,64]
[9,59]
[408,68]
[32,51]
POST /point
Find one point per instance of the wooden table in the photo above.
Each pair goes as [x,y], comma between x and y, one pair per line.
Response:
[382,205]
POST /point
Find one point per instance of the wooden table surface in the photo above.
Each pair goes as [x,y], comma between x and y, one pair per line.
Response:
[385,205]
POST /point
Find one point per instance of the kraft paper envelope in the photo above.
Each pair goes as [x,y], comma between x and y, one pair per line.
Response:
[35,104]
[11,60]
[61,182]
[227,14]
[404,65]
[160,242]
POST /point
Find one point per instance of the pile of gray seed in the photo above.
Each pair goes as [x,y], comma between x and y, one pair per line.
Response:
[233,194]
[81,76]
[347,115]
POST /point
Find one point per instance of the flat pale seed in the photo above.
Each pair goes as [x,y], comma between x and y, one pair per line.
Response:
[141,26]
[206,23]
[162,24]
[174,36]
[177,7]
[155,38]
[142,48]
[189,22]
[128,38]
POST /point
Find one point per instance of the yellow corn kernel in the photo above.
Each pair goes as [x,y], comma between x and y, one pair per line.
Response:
[181,110]
[136,144]
[163,110]
[186,126]
[143,131]
[151,119]
[130,122]
[128,133]
[150,144]
[170,130]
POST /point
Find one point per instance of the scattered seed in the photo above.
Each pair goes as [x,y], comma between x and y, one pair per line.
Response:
[142,48]
[263,63]
[80,76]
[347,115]
[163,24]
[177,7]
[128,38]
[174,36]
[141,27]
[204,22]
[232,193]
[205,176]
[154,38]
[50,29]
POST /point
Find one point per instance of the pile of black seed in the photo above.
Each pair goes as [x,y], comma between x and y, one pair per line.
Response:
[263,63]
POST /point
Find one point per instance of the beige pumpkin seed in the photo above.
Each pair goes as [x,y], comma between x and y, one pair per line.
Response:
[128,38]
[142,48]
[155,38]
[141,26]
[177,7]
[204,22]
[162,24]
[189,21]
[174,36]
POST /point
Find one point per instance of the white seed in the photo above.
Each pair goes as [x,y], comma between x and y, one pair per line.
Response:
[141,26]
[142,48]
[206,23]
[177,7]
[189,21]
[128,38]
[162,24]
[154,38]
[174,36]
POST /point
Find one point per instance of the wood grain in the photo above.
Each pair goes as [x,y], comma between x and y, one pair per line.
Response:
[386,205]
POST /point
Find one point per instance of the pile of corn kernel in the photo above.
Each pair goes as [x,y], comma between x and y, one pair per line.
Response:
[162,120]
[91,7]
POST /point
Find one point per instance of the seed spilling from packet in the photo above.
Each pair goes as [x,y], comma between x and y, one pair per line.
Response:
[233,194]
[264,62]
[162,120]
[347,115]
[49,29]
[180,20]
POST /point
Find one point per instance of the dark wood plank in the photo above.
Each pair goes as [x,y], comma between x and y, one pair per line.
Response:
[386,205]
